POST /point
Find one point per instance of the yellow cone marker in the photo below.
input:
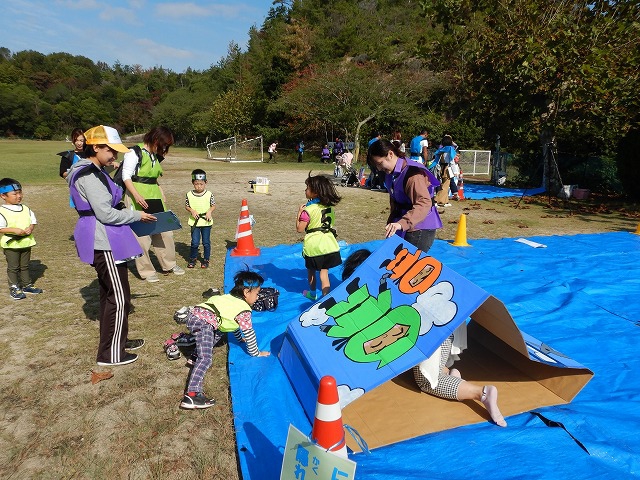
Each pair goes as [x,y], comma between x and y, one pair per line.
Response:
[461,234]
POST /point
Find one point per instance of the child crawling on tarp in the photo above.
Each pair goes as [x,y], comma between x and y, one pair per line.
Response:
[435,375]
[209,320]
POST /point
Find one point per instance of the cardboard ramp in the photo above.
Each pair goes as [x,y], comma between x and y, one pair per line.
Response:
[392,313]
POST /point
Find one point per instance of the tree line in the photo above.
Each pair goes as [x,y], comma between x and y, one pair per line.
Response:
[534,72]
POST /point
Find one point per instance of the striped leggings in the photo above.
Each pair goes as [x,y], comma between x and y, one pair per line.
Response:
[206,338]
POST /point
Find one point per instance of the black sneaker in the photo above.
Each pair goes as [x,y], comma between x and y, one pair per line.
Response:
[124,360]
[133,344]
[16,293]
[31,289]
[194,401]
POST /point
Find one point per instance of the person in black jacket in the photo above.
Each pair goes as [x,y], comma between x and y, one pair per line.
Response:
[68,157]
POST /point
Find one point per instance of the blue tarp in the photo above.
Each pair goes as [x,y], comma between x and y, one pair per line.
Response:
[477,191]
[580,294]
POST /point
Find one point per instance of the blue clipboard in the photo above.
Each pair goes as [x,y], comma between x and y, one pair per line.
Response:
[165,221]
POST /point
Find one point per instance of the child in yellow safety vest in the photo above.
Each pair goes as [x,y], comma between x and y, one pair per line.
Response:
[17,222]
[317,219]
[200,204]
[210,320]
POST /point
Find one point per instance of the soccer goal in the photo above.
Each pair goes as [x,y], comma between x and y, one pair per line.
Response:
[235,149]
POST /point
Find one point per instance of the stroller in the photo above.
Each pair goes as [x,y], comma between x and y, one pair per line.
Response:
[345,171]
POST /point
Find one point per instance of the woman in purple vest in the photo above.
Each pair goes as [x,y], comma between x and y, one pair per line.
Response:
[105,241]
[411,188]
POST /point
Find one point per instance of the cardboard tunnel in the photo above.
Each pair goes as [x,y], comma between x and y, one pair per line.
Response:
[392,313]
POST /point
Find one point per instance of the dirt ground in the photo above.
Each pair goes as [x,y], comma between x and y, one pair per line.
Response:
[57,424]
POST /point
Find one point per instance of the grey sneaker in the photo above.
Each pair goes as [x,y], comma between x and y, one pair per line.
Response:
[153,278]
[16,293]
[177,270]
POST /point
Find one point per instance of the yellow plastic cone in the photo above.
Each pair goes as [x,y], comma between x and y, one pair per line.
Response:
[461,234]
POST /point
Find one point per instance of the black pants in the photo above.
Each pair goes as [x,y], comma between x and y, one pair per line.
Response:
[115,302]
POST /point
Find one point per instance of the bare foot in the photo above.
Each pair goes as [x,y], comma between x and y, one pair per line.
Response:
[490,401]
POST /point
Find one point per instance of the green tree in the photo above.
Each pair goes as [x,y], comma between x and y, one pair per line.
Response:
[231,113]
[562,69]
[349,96]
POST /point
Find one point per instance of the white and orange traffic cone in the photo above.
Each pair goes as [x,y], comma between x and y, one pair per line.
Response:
[328,431]
[460,186]
[244,235]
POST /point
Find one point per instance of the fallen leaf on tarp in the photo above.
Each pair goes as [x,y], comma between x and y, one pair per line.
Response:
[99,376]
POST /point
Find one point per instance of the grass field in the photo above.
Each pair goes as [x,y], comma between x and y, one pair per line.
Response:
[57,424]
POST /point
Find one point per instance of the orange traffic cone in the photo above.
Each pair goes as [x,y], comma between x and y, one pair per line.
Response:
[244,236]
[460,187]
[461,234]
[327,429]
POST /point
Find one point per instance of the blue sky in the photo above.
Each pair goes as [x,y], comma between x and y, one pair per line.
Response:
[172,34]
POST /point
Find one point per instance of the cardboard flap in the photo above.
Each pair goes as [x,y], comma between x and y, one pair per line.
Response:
[495,317]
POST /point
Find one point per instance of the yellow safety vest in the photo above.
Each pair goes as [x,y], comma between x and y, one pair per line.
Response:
[201,204]
[21,219]
[145,179]
[321,235]
[227,308]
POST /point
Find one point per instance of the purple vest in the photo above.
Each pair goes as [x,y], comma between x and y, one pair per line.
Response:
[395,186]
[121,238]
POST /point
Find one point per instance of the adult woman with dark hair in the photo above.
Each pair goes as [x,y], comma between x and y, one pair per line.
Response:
[105,240]
[411,187]
[140,174]
[69,157]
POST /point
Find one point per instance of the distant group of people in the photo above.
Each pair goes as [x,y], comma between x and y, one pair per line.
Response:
[327,154]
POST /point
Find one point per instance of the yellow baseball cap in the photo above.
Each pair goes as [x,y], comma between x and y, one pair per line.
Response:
[102,135]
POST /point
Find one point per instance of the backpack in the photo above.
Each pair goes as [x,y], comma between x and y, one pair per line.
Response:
[267,300]
[117,174]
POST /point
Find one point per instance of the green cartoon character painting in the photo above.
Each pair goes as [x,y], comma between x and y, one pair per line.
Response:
[368,328]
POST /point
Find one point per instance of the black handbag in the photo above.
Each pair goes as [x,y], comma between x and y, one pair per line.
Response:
[267,300]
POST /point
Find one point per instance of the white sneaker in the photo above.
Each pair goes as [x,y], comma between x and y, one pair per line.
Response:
[153,278]
[447,205]
[178,270]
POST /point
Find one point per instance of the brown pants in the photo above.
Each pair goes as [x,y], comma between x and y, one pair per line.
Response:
[163,246]
[165,249]
[442,196]
[18,266]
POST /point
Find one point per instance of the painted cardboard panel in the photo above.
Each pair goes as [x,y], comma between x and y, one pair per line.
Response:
[392,313]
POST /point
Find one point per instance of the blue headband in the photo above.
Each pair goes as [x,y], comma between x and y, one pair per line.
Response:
[199,176]
[251,284]
[10,188]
